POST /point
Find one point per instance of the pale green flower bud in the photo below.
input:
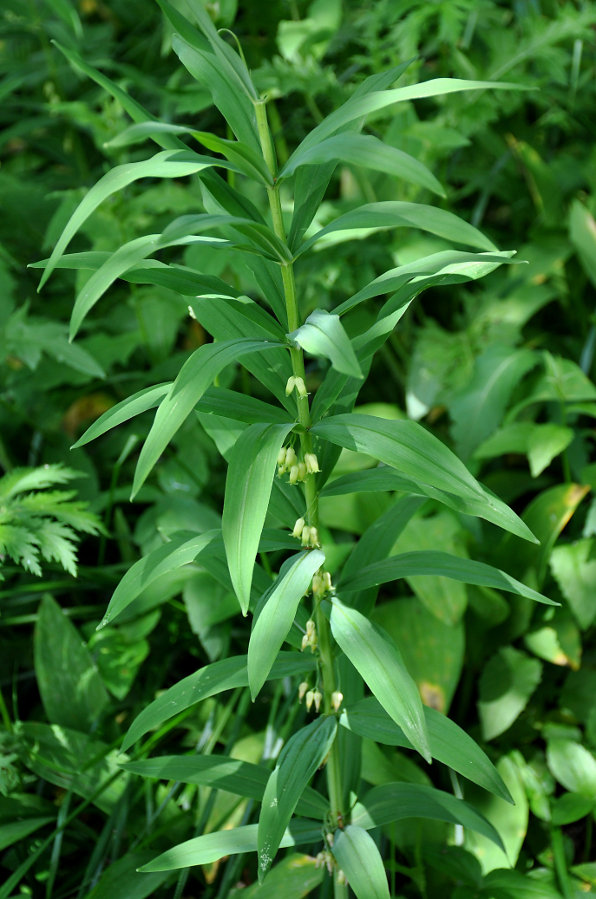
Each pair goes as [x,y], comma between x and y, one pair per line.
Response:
[291,383]
[281,456]
[336,700]
[302,688]
[291,457]
[294,474]
[310,696]
[298,527]
[317,697]
[301,471]
[312,463]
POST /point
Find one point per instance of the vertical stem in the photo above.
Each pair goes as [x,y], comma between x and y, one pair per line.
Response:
[326,655]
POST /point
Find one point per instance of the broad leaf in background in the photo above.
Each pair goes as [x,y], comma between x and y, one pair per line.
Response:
[506,685]
[70,686]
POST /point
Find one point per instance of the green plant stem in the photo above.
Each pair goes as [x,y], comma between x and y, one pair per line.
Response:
[326,656]
[562,873]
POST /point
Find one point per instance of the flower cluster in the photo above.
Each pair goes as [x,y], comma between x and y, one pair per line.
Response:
[287,461]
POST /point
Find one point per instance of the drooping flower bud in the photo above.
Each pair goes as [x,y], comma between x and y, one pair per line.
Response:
[291,383]
[312,463]
[291,457]
[318,696]
[294,474]
[302,688]
[336,700]
[310,696]
[298,527]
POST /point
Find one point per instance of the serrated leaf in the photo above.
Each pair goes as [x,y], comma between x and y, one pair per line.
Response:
[20,480]
[396,801]
[324,335]
[251,469]
[195,376]
[226,674]
[449,744]
[413,451]
[378,660]
[304,752]
[428,562]
[178,551]
[277,615]
[359,858]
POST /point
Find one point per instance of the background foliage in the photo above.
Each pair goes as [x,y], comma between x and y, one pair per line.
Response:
[502,371]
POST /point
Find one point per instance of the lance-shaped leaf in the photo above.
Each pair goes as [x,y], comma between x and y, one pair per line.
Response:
[148,398]
[449,744]
[323,334]
[397,801]
[166,164]
[241,155]
[378,660]
[226,674]
[222,773]
[252,466]
[434,562]
[277,615]
[448,266]
[118,263]
[366,151]
[210,847]
[304,752]
[359,106]
[413,451]
[359,858]
[399,214]
[195,376]
[180,550]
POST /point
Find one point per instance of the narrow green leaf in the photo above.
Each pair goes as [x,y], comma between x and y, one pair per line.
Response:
[431,562]
[148,398]
[439,268]
[180,550]
[240,407]
[241,155]
[359,858]
[304,752]
[277,615]
[119,262]
[366,151]
[399,214]
[166,164]
[396,801]
[226,674]
[378,660]
[359,106]
[212,846]
[249,480]
[195,376]
[223,773]
[16,831]
[449,744]
[234,105]
[323,334]
[415,452]
[137,112]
